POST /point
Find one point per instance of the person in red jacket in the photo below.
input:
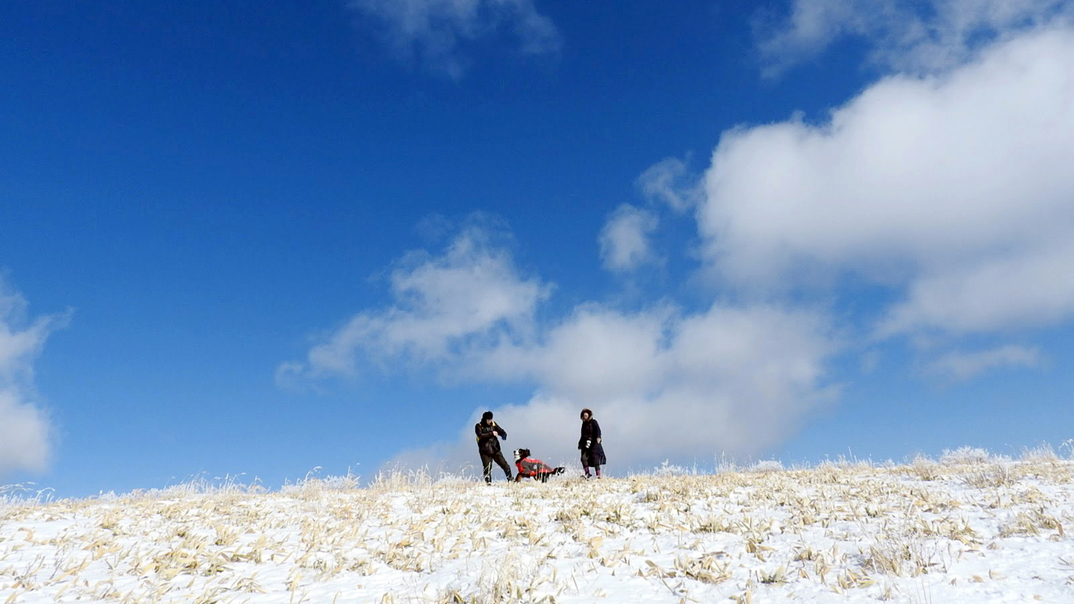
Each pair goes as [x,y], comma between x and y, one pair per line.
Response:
[534,468]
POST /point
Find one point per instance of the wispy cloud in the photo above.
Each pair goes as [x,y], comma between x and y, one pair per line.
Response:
[670,182]
[904,35]
[437,30]
[960,366]
[626,239]
[25,428]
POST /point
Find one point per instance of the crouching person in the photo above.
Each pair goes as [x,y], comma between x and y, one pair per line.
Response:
[534,468]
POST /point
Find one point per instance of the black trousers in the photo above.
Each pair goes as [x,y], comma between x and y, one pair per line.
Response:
[486,464]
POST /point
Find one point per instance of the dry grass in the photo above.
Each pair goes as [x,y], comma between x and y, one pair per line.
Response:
[840,529]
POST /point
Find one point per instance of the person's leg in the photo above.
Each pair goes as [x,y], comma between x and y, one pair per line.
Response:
[486,466]
[597,468]
[503,464]
[585,465]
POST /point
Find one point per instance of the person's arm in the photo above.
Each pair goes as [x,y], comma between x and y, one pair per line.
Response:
[500,431]
[596,431]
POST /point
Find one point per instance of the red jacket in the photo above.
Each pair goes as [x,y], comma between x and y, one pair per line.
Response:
[529,466]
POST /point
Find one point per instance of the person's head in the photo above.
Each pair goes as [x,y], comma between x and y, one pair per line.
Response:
[586,414]
[486,417]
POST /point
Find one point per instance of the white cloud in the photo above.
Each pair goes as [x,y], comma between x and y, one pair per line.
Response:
[25,429]
[1020,289]
[954,188]
[961,366]
[669,383]
[468,297]
[663,384]
[624,240]
[25,437]
[726,379]
[596,352]
[951,190]
[906,35]
[435,29]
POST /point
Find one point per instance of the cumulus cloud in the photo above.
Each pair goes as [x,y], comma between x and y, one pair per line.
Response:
[961,366]
[953,190]
[466,297]
[663,383]
[435,29]
[25,429]
[624,240]
[728,378]
[946,186]
[725,379]
[905,35]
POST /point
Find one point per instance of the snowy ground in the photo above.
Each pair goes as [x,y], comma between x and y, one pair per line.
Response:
[967,528]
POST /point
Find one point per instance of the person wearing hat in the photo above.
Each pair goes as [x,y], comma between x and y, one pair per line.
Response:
[488,445]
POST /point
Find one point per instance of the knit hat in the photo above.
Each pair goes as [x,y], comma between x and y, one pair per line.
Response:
[486,416]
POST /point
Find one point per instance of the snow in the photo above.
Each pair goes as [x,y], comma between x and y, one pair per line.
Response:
[969,528]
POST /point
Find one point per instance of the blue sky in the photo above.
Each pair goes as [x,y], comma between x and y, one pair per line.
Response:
[257,239]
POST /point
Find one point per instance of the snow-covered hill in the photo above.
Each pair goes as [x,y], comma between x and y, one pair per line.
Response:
[966,528]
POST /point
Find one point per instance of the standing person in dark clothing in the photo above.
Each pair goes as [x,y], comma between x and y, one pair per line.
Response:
[589,444]
[488,445]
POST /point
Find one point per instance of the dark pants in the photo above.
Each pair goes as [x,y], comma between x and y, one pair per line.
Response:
[486,463]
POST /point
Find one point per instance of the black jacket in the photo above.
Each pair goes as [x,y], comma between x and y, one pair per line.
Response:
[592,451]
[590,432]
[487,441]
